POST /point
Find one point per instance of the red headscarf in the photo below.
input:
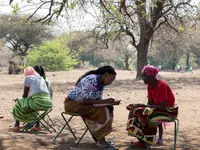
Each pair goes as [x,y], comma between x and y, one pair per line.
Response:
[150,70]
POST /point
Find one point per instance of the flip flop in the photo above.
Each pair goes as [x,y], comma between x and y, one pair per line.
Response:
[107,147]
[159,142]
[112,143]
[139,144]
[36,129]
[16,129]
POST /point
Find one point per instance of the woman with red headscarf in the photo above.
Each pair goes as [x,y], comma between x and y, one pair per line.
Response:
[143,119]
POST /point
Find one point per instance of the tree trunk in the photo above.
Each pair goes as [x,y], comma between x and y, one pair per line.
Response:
[198,61]
[187,60]
[173,67]
[142,51]
[126,62]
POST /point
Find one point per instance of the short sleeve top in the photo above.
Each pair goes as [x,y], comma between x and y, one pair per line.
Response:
[88,88]
[36,84]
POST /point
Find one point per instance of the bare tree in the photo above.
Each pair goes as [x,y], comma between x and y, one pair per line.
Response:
[125,51]
[170,46]
[138,19]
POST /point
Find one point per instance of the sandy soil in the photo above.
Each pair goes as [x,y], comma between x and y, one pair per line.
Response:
[186,88]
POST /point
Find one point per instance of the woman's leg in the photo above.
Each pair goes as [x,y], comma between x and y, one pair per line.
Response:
[15,126]
[37,127]
[160,127]
[17,123]
[102,141]
[93,115]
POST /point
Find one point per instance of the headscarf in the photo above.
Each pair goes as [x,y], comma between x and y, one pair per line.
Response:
[30,71]
[150,71]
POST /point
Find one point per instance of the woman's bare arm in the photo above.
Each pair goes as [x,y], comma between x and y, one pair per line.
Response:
[26,90]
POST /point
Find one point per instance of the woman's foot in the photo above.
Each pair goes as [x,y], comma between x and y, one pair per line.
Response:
[159,142]
[14,128]
[106,145]
[139,144]
[36,129]
[102,142]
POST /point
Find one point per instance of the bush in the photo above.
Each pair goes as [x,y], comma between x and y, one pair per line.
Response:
[53,56]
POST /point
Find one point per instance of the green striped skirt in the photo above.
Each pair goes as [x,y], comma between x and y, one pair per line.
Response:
[25,108]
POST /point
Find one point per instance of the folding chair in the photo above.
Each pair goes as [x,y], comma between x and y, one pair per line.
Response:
[67,124]
[40,118]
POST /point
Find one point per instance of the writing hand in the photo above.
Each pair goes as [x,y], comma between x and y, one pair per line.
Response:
[117,102]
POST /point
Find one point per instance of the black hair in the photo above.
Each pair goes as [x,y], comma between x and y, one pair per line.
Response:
[39,69]
[101,70]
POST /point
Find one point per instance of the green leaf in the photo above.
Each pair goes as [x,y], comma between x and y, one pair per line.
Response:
[180,29]
[53,55]
[142,4]
[23,17]
[15,8]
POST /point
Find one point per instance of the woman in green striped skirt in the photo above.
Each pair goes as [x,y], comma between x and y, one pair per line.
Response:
[36,97]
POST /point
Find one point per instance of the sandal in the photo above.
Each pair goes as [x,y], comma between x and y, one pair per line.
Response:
[139,144]
[107,147]
[159,142]
[112,143]
[25,125]
[36,129]
[16,129]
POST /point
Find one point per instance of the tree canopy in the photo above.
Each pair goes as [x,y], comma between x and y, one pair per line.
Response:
[20,35]
[53,55]
[138,19]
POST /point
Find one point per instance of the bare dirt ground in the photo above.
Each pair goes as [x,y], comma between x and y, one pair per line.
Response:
[186,88]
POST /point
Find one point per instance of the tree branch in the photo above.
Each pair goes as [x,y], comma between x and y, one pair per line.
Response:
[61,8]
[104,6]
[160,24]
[38,9]
[170,24]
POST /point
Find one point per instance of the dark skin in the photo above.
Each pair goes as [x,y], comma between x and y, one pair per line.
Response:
[163,105]
[160,127]
[26,90]
[105,79]
[152,81]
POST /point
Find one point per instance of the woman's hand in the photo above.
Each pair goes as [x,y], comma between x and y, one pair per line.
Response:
[117,102]
[129,107]
[139,105]
[110,100]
